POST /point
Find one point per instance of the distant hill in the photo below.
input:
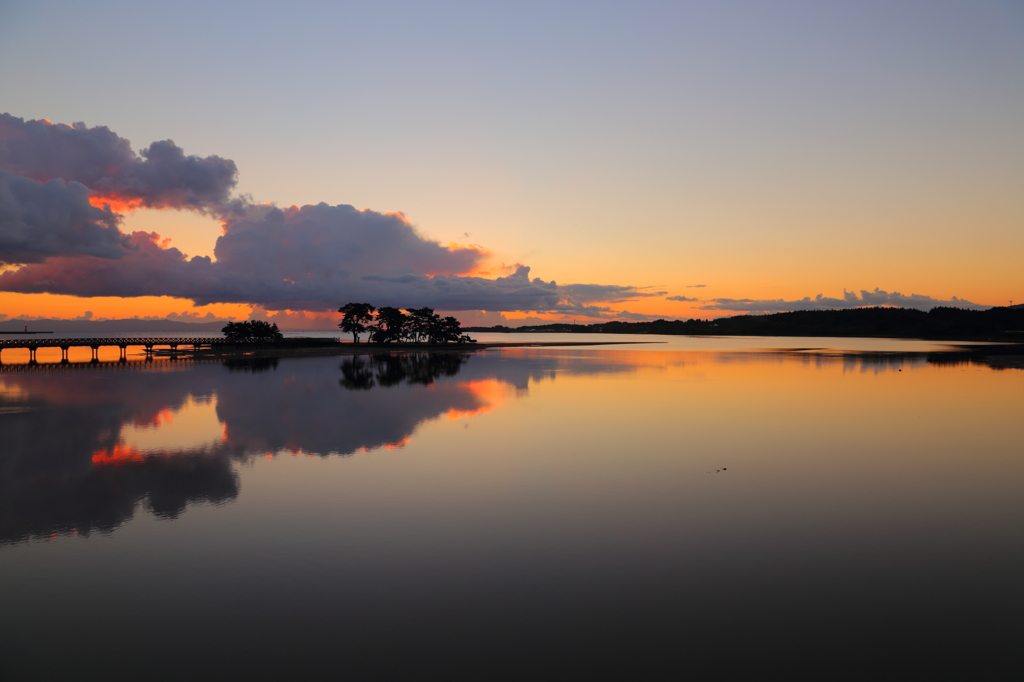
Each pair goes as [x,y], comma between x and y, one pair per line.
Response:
[130,325]
[995,324]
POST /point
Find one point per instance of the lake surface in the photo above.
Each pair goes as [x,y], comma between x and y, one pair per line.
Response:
[701,511]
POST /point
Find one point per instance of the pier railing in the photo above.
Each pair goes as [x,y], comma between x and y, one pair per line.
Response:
[149,343]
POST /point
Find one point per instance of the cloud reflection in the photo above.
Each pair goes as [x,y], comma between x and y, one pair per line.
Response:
[71,463]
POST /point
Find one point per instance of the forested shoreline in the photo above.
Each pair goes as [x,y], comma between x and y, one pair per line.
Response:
[997,324]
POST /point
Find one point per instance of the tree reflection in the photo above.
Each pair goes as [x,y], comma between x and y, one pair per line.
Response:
[360,373]
[251,364]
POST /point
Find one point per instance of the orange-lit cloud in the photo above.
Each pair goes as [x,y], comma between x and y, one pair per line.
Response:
[115,203]
[161,176]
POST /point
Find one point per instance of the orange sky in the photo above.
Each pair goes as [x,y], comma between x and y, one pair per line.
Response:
[767,153]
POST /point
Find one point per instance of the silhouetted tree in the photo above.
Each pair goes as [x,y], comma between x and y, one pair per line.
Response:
[356,317]
[391,325]
[422,322]
[416,324]
[252,330]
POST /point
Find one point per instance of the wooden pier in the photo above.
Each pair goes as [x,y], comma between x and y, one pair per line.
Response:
[150,343]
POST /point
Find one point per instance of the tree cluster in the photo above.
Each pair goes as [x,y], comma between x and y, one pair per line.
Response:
[251,330]
[386,325]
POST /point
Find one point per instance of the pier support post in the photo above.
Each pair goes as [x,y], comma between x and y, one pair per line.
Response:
[64,354]
[32,355]
[124,354]
[95,353]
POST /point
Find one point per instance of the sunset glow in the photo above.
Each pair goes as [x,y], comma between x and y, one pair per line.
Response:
[116,456]
[511,340]
[490,393]
[115,203]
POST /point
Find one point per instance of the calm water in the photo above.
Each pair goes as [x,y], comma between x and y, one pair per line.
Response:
[631,512]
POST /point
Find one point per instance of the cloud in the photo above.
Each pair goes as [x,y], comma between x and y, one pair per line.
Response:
[313,258]
[636,317]
[608,293]
[287,320]
[161,176]
[681,298]
[878,297]
[695,286]
[187,316]
[64,187]
[39,220]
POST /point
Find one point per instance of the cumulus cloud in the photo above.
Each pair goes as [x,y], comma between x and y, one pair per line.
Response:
[39,220]
[63,188]
[681,298]
[307,258]
[850,299]
[161,176]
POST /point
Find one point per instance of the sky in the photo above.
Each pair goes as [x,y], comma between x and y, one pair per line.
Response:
[510,161]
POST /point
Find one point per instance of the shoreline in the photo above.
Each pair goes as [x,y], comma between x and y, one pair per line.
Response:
[1000,356]
[374,349]
[1006,355]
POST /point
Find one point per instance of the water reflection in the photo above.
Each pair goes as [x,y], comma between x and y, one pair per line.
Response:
[73,463]
[83,449]
[639,516]
[106,496]
[360,373]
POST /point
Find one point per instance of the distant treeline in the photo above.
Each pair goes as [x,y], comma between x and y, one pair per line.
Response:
[1002,323]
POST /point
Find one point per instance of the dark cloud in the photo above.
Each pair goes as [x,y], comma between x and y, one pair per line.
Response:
[850,299]
[681,298]
[161,176]
[39,220]
[607,293]
[307,258]
[695,286]
[311,258]
[635,317]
